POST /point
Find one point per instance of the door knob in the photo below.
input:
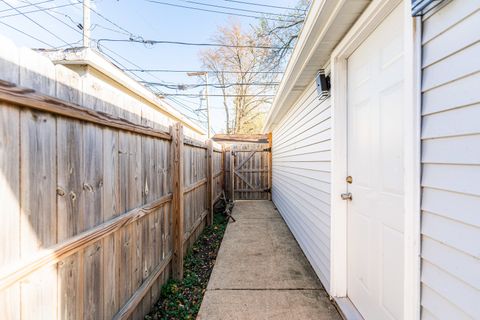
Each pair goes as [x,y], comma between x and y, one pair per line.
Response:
[346,196]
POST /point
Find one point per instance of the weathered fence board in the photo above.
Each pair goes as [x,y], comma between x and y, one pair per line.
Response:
[248,170]
[98,225]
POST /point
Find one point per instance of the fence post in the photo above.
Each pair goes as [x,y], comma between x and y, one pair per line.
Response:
[232,174]
[270,169]
[210,174]
[177,201]
[222,166]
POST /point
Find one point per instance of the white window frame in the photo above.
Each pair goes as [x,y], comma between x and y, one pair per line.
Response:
[375,13]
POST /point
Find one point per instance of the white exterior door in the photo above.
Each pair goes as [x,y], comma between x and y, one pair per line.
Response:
[376,164]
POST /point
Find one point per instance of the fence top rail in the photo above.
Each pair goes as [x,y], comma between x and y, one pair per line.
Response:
[194,143]
[240,138]
[9,92]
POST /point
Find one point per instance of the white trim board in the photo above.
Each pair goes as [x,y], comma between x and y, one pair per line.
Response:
[366,24]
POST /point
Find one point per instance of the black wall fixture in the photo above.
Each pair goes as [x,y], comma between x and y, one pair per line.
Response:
[323,84]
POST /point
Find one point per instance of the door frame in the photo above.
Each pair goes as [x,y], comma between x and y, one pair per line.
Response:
[375,13]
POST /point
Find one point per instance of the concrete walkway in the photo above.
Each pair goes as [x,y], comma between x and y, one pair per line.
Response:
[261,273]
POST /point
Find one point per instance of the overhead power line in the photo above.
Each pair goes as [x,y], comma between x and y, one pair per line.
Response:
[109,21]
[263,5]
[236,9]
[214,85]
[215,11]
[202,71]
[78,25]
[139,79]
[154,42]
[40,9]
[27,5]
[192,95]
[27,34]
[35,22]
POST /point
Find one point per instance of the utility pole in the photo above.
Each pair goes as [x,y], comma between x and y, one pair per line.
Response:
[208,107]
[86,23]
[204,73]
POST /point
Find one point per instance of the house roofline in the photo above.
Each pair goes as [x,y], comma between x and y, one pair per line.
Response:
[325,25]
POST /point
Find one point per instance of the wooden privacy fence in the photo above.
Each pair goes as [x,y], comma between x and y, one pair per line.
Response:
[248,164]
[97,212]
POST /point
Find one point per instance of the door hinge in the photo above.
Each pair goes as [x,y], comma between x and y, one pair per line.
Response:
[268,149]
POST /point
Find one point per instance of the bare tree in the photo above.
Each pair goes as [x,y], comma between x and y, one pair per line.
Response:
[246,87]
[255,70]
[282,33]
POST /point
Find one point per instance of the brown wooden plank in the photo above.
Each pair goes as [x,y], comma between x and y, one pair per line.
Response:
[111,209]
[92,216]
[38,201]
[136,298]
[245,159]
[232,175]
[252,138]
[196,185]
[270,145]
[177,202]
[70,205]
[70,173]
[195,226]
[53,254]
[194,143]
[244,179]
[10,200]
[28,98]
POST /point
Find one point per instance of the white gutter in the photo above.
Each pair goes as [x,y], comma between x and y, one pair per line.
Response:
[87,56]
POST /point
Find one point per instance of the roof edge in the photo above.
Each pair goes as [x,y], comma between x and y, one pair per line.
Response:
[321,19]
[93,59]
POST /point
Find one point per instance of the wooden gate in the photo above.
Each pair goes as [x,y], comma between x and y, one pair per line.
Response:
[248,170]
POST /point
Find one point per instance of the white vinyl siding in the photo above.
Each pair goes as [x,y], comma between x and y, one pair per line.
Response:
[451,162]
[301,177]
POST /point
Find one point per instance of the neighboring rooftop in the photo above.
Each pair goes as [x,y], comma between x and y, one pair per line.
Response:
[85,60]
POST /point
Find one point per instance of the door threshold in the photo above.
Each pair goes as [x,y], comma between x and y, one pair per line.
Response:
[347,309]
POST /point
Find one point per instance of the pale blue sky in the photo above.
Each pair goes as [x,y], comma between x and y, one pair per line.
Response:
[142,18]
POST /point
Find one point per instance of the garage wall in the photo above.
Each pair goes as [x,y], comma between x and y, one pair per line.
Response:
[451,162]
[301,177]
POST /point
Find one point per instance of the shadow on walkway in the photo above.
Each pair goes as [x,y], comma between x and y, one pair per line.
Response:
[261,272]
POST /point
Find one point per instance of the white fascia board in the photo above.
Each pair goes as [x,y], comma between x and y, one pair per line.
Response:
[305,34]
[325,24]
[87,56]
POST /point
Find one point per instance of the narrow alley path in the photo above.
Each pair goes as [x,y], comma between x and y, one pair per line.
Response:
[261,273]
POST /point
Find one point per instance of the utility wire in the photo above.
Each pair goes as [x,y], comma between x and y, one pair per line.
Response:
[215,11]
[96,25]
[237,9]
[78,25]
[154,42]
[192,95]
[201,71]
[26,34]
[213,85]
[37,10]
[35,22]
[179,104]
[110,21]
[27,5]
[264,5]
